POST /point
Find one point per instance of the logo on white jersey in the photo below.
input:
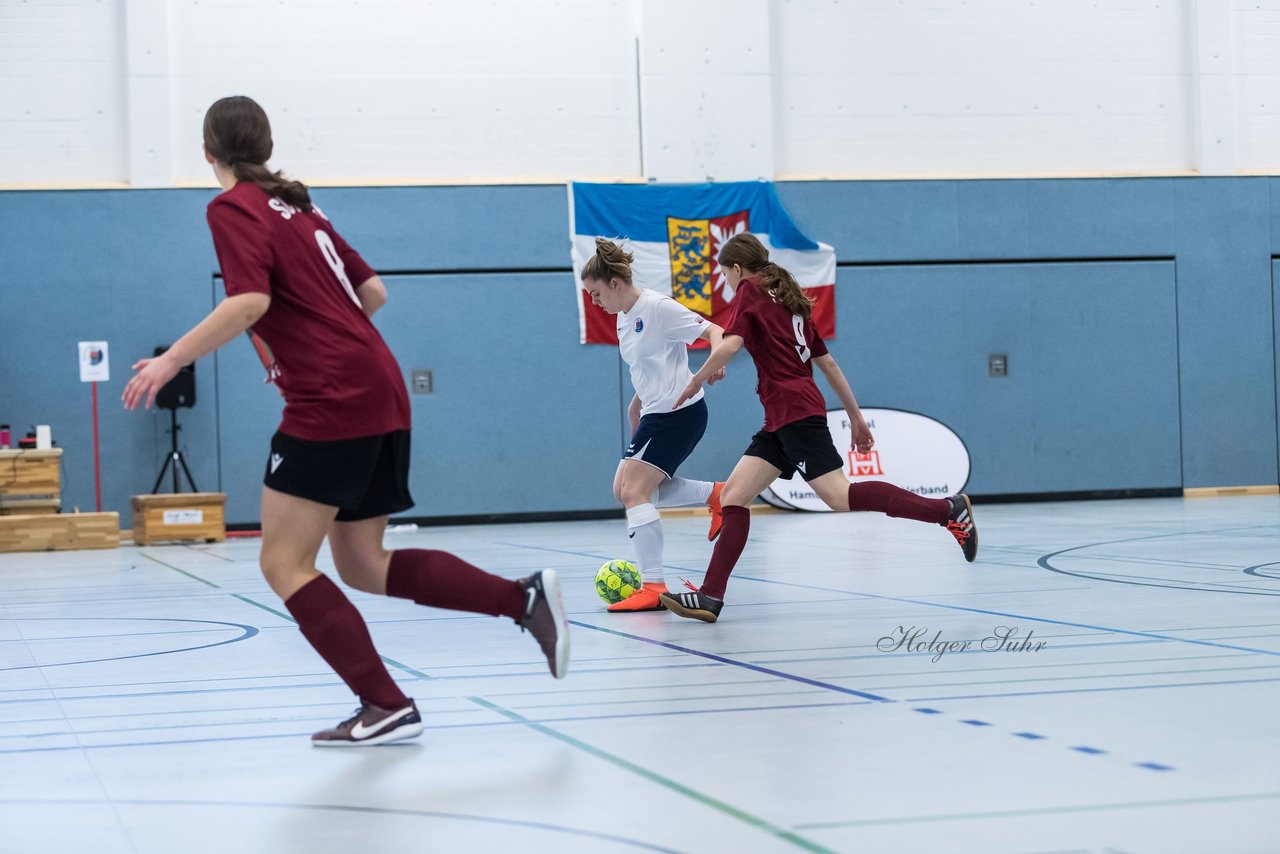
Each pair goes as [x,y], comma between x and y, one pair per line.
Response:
[639,325]
[276,460]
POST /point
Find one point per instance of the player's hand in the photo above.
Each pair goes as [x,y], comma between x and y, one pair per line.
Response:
[862,440]
[716,377]
[152,375]
[689,391]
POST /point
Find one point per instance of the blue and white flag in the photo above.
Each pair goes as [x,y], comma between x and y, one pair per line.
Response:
[676,231]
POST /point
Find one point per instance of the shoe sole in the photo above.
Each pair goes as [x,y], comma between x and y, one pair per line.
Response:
[555,601]
[968,506]
[658,607]
[398,734]
[692,613]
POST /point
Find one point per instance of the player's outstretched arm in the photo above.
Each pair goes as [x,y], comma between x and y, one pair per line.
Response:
[720,356]
[715,335]
[862,439]
[231,318]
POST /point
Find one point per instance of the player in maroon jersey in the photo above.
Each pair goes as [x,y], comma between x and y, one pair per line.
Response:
[772,320]
[339,464]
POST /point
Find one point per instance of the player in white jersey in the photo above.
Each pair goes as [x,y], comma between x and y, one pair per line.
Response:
[654,332]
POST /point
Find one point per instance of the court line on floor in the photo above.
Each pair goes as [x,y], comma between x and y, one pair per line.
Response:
[1044,561]
[246,633]
[720,659]
[398,665]
[927,603]
[816,683]
[348,808]
[654,777]
[827,825]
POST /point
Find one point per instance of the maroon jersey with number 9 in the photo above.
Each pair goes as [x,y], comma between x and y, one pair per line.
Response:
[783,346]
[338,376]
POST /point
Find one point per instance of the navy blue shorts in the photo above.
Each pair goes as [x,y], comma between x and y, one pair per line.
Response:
[666,439]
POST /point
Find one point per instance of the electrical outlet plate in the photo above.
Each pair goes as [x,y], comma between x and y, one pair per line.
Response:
[421,381]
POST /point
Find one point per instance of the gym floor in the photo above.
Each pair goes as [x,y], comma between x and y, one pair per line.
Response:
[1117,692]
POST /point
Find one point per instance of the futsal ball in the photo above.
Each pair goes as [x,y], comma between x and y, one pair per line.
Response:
[617,580]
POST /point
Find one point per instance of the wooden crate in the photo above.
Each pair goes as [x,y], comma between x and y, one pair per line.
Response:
[40,505]
[179,516]
[30,472]
[59,531]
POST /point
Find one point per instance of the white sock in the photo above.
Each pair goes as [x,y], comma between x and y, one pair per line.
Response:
[680,492]
[644,527]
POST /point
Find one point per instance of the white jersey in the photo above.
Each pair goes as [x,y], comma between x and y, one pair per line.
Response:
[652,338]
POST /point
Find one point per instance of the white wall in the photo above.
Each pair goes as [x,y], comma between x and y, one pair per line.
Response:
[369,91]
[61,101]
[384,90]
[880,87]
[1255,38]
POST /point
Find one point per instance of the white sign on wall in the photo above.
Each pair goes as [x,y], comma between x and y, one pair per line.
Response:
[912,451]
[94,367]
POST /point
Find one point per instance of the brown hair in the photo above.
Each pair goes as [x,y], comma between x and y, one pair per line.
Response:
[749,253]
[237,132]
[608,263]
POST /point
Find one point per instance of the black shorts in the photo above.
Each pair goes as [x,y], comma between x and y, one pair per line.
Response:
[666,439]
[363,478]
[803,446]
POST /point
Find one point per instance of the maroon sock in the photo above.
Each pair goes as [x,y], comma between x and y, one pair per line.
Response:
[441,580]
[896,501]
[729,545]
[335,628]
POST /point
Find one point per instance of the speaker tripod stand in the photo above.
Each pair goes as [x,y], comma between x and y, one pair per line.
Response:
[175,458]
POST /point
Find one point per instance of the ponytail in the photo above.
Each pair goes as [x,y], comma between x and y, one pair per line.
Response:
[609,262]
[238,133]
[784,288]
[273,183]
[749,253]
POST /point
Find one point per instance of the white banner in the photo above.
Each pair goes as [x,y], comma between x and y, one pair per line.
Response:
[912,451]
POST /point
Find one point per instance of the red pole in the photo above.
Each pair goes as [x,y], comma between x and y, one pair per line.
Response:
[97,475]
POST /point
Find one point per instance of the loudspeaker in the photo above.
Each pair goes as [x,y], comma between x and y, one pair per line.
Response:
[179,391]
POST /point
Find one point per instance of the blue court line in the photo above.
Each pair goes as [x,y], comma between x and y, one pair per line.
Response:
[404,667]
[99,637]
[1045,562]
[1129,632]
[429,727]
[345,808]
[754,667]
[246,633]
[723,660]
[1093,690]
[563,719]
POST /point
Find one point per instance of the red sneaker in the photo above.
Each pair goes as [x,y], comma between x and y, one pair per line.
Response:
[713,503]
[644,599]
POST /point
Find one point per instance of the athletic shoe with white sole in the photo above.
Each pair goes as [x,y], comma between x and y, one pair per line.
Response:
[693,604]
[372,725]
[544,618]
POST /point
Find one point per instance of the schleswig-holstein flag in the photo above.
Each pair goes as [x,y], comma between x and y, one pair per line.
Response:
[677,230]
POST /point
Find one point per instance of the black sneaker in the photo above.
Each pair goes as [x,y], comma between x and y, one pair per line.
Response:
[545,620]
[962,527]
[693,604]
[372,725]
